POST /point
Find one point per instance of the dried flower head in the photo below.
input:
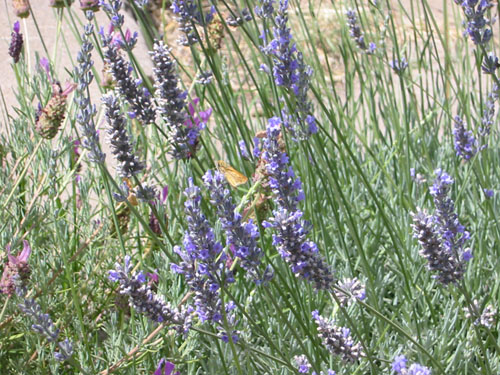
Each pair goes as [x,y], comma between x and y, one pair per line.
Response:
[50,118]
[21,8]
[92,5]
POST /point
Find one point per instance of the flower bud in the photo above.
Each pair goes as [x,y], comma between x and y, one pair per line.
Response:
[21,8]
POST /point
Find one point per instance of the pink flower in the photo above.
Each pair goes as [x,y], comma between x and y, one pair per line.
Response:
[16,272]
[200,119]
[168,368]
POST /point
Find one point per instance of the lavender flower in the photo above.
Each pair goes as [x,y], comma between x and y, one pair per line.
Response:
[488,193]
[142,298]
[205,77]
[453,234]
[202,259]
[441,236]
[65,351]
[355,289]
[86,112]
[241,237]
[239,18]
[399,66]
[490,64]
[128,164]
[266,9]
[337,339]
[188,15]
[488,116]
[399,367]
[44,326]
[302,364]
[356,33]
[475,27]
[291,72]
[16,272]
[465,143]
[138,98]
[485,318]
[182,133]
[16,43]
[424,230]
[113,9]
[291,230]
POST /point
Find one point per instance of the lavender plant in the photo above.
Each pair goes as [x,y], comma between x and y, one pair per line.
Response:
[381,125]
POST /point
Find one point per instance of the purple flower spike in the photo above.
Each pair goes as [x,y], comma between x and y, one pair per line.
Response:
[291,230]
[241,237]
[292,73]
[465,143]
[337,339]
[441,235]
[183,127]
[202,259]
[144,300]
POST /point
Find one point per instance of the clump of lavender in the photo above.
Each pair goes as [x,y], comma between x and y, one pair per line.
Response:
[86,112]
[291,230]
[172,105]
[241,237]
[16,272]
[291,72]
[399,367]
[465,142]
[354,288]
[203,261]
[141,298]
[441,235]
[128,164]
[188,15]
[16,42]
[476,24]
[139,98]
[337,339]
[356,33]
[44,326]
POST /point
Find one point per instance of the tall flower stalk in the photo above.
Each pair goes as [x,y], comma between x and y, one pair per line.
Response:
[183,134]
[290,72]
[291,230]
[241,237]
[202,260]
[441,235]
[86,111]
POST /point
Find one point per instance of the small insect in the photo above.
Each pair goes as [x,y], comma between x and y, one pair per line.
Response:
[234,177]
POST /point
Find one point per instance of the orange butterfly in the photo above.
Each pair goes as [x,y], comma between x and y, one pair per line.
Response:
[234,177]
